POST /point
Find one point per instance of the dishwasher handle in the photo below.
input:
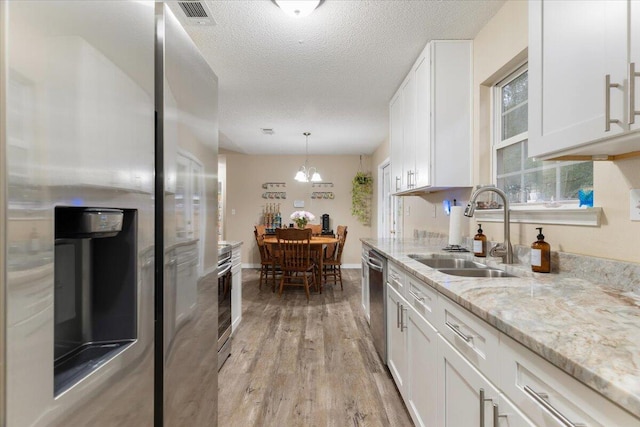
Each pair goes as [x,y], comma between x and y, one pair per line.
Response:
[371,262]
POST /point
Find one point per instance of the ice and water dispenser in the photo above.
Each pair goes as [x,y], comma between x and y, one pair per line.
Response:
[95,289]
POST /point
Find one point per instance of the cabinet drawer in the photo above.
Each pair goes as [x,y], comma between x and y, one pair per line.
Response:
[235,257]
[423,298]
[549,396]
[471,336]
[396,278]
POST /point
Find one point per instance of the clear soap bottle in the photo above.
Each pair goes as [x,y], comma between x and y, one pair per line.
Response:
[540,254]
[480,243]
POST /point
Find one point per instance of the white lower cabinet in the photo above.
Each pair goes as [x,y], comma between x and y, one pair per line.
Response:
[236,289]
[422,342]
[412,357]
[465,397]
[397,339]
[550,397]
[365,283]
[453,369]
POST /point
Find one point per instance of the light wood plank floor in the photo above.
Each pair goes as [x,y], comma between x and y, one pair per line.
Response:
[299,363]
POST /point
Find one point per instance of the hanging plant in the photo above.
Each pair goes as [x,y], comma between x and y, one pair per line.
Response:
[361,192]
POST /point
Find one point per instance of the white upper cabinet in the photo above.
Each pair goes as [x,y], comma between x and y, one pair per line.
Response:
[581,54]
[423,126]
[431,133]
[409,98]
[395,140]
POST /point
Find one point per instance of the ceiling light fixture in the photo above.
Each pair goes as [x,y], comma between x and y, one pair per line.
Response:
[297,8]
[306,173]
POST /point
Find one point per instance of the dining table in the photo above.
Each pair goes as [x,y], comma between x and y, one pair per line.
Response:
[318,243]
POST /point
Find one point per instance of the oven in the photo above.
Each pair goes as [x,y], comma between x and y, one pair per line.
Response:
[224,303]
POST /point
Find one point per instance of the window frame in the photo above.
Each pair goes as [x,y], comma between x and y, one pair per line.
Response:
[564,212]
[497,144]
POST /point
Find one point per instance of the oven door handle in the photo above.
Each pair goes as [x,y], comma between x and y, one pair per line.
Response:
[226,269]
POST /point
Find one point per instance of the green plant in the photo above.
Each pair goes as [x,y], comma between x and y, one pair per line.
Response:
[361,192]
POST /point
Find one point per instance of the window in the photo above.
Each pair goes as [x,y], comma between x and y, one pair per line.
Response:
[526,180]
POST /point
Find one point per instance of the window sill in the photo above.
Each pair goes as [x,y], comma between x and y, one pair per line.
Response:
[562,215]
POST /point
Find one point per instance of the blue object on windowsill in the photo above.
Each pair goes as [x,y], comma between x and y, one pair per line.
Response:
[586,198]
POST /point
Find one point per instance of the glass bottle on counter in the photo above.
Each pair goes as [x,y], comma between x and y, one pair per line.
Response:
[480,243]
[540,254]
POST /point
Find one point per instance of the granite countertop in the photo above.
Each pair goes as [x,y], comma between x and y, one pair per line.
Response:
[233,243]
[589,330]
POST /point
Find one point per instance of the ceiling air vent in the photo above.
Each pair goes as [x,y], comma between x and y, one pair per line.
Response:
[197,13]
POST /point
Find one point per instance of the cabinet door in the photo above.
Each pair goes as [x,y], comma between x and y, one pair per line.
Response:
[236,297]
[423,122]
[422,355]
[634,58]
[397,338]
[395,142]
[409,132]
[451,130]
[573,45]
[462,391]
[365,284]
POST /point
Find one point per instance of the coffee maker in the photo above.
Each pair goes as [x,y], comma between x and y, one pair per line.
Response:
[326,230]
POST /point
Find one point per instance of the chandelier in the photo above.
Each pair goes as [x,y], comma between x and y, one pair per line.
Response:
[306,173]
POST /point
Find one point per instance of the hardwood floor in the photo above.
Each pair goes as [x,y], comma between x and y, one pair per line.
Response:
[299,363]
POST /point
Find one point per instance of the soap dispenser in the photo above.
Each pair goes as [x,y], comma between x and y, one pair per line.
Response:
[480,243]
[540,254]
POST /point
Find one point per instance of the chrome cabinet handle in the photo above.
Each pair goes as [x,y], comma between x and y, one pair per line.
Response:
[540,399]
[607,103]
[483,399]
[632,93]
[397,186]
[456,329]
[497,415]
[413,294]
[403,326]
[398,313]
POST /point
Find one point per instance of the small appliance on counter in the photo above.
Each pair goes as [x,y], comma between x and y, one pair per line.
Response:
[326,230]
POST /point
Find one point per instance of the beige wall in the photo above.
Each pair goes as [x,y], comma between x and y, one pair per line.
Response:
[245,175]
[499,47]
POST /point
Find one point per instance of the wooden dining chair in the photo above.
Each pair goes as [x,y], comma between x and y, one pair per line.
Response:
[332,263]
[261,229]
[268,261]
[295,258]
[316,229]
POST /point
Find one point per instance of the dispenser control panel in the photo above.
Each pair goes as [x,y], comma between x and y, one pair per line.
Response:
[101,220]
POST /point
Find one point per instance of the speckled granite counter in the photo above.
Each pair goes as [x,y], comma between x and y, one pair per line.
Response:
[233,243]
[590,331]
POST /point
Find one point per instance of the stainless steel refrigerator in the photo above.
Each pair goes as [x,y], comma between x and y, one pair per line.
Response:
[107,303]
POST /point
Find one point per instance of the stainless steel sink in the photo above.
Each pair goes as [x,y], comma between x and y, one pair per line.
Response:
[441,262]
[475,272]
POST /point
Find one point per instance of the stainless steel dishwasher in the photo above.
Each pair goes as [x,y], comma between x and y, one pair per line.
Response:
[377,297]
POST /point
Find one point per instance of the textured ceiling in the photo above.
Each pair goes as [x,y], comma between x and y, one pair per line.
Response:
[331,73]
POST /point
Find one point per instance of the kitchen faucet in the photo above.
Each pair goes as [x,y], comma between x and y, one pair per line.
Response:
[503,250]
